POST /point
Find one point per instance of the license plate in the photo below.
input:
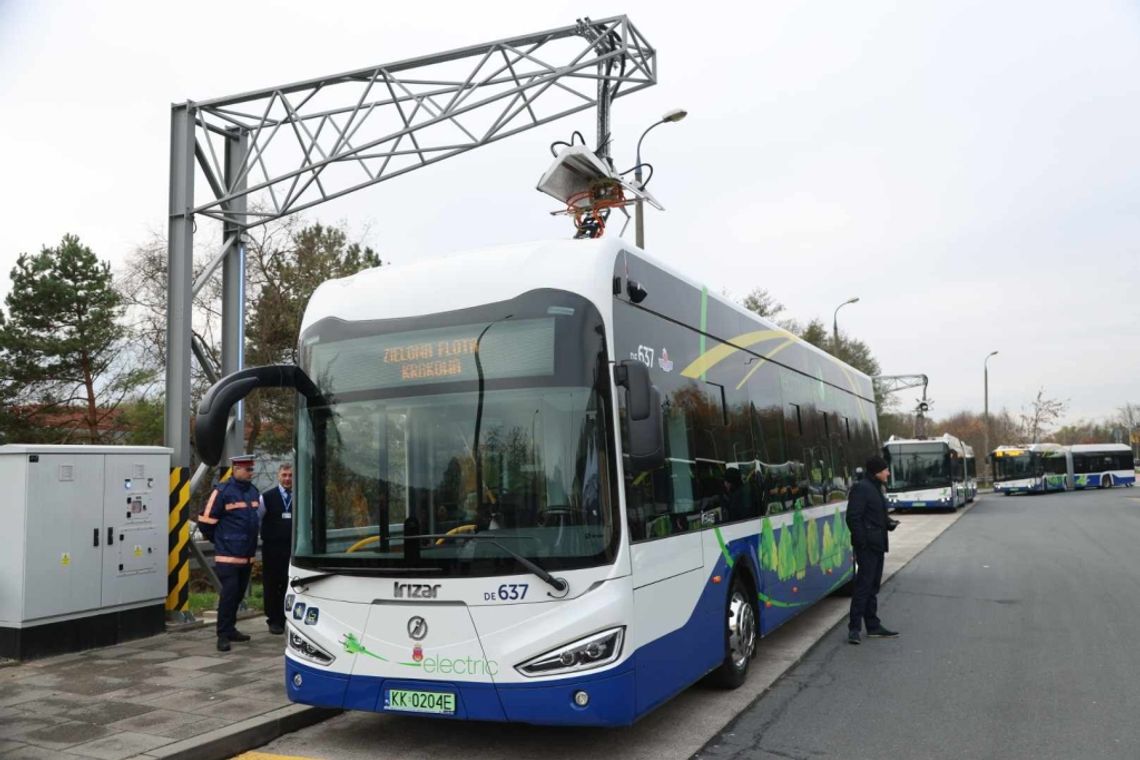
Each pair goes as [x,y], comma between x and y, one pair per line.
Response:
[437,702]
[919,504]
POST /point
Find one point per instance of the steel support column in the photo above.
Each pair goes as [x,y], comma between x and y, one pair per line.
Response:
[233,277]
[180,278]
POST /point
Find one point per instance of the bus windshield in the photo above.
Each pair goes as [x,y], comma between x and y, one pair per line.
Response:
[918,466]
[487,428]
[1013,466]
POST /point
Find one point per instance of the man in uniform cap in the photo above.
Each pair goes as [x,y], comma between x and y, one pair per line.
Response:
[867,518]
[230,520]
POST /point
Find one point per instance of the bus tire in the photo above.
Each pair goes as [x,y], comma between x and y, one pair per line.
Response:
[1106,481]
[740,633]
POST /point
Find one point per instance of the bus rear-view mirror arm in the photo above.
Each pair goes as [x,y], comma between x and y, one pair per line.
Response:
[214,409]
[643,405]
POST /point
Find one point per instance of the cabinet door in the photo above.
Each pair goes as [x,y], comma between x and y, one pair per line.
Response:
[65,535]
[135,508]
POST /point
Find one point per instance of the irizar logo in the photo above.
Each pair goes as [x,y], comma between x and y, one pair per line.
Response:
[416,591]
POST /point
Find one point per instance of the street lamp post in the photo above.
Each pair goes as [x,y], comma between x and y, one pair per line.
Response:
[835,322]
[986,415]
[639,220]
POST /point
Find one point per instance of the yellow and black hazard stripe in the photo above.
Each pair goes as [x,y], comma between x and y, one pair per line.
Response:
[178,559]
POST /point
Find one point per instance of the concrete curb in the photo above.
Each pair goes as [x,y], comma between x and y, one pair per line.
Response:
[241,737]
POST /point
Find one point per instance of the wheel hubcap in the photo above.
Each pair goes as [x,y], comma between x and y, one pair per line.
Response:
[741,630]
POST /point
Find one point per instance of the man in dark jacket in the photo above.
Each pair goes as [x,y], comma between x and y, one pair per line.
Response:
[276,537]
[868,520]
[230,521]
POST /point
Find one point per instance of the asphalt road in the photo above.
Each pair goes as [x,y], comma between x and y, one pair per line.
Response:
[1021,639]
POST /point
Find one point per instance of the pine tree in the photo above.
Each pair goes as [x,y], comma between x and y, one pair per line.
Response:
[787,562]
[62,345]
[841,534]
[813,543]
[769,559]
[289,274]
[828,560]
[799,543]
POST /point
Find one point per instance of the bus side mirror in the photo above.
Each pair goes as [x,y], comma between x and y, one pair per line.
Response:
[643,405]
[214,410]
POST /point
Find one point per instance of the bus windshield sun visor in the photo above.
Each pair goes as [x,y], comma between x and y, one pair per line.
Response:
[214,409]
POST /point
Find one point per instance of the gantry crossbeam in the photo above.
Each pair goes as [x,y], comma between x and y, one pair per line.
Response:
[312,141]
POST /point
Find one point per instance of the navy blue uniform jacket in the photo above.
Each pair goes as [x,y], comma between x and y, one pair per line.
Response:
[867,516]
[230,521]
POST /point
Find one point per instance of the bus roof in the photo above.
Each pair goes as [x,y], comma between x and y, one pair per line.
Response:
[951,441]
[467,279]
[1087,448]
[499,273]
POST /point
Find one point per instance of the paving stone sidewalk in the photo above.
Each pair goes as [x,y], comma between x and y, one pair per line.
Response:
[170,696]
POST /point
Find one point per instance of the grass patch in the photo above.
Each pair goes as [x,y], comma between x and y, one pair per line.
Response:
[201,601]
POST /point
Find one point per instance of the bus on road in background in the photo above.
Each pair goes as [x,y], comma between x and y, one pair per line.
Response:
[552,483]
[930,473]
[1033,468]
[1102,465]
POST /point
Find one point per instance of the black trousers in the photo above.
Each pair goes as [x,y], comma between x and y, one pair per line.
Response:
[865,599]
[234,580]
[274,580]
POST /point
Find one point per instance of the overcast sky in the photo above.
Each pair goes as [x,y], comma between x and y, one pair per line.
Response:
[968,169]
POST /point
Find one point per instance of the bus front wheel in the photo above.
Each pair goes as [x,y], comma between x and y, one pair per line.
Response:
[741,624]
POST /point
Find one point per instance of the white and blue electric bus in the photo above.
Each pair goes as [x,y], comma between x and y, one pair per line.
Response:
[553,483]
[1033,468]
[1102,465]
[930,473]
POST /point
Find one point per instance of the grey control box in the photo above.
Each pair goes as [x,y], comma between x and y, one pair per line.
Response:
[86,558]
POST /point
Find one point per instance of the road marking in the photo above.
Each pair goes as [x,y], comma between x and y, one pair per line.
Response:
[268,756]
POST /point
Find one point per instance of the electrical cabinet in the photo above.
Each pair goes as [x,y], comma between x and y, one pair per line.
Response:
[87,538]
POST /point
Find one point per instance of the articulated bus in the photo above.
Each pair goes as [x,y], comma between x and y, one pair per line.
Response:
[1102,465]
[553,483]
[931,473]
[1033,468]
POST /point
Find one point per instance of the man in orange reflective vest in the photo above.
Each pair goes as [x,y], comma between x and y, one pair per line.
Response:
[231,522]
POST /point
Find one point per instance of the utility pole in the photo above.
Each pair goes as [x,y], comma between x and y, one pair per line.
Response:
[986,413]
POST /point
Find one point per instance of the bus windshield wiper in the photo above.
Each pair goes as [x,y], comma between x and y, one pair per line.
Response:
[559,584]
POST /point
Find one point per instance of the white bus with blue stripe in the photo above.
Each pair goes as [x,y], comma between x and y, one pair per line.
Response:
[1032,468]
[930,473]
[1102,465]
[553,483]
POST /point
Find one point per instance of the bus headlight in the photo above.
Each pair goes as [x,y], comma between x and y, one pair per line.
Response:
[307,650]
[584,654]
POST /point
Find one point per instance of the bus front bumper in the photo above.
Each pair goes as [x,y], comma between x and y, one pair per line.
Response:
[610,696]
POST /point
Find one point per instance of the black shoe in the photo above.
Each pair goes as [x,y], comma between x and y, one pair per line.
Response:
[276,629]
[881,633]
[853,637]
[223,644]
[238,636]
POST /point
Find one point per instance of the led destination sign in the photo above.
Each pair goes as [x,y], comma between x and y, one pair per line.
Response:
[508,349]
[427,360]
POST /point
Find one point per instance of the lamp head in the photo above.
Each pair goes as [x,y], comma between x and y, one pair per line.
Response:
[675,115]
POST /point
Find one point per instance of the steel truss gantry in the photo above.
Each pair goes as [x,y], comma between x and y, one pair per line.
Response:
[294,146]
